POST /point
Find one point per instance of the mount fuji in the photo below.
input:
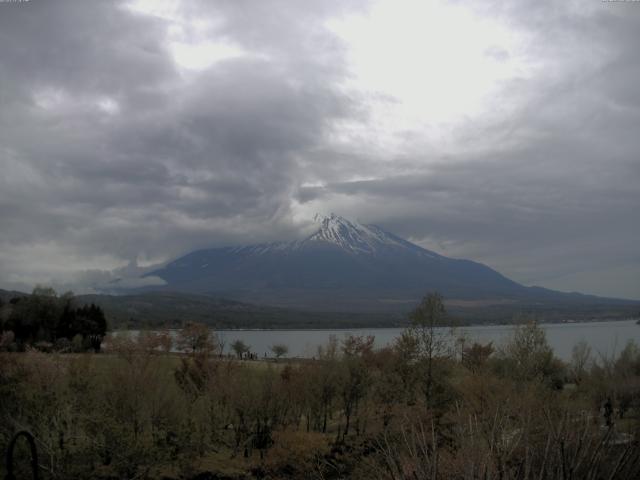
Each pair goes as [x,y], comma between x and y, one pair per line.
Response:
[346,266]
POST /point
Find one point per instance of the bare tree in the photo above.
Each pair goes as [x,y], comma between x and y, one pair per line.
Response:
[197,338]
[528,352]
[240,348]
[431,339]
[279,350]
[580,358]
[355,376]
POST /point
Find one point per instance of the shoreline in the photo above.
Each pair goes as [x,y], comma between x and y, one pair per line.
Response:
[360,327]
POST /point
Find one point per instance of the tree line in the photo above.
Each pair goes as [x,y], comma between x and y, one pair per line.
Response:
[49,322]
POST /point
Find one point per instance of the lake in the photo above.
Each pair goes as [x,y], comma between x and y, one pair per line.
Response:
[606,338]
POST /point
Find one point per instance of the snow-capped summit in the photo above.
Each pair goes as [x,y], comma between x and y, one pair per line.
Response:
[336,232]
[351,236]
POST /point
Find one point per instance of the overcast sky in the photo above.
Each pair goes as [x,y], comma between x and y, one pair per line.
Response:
[503,132]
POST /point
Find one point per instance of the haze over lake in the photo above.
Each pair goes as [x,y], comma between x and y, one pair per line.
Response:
[604,338]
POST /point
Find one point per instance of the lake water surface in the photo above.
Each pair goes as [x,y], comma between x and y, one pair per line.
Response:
[606,338]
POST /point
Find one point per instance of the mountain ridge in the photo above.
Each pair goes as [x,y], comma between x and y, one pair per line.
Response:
[347,266]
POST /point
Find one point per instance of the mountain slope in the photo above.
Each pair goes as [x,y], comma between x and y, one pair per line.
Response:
[343,266]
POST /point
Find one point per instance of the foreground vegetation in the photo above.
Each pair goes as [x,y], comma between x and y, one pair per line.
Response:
[429,406]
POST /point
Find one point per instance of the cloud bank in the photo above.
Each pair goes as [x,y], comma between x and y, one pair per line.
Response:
[133,132]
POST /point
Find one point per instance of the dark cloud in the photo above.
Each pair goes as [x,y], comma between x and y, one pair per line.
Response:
[114,157]
[109,150]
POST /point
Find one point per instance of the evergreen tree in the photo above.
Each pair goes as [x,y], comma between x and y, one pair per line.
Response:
[43,316]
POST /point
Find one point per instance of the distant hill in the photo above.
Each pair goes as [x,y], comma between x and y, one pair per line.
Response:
[6,295]
[173,309]
[348,266]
